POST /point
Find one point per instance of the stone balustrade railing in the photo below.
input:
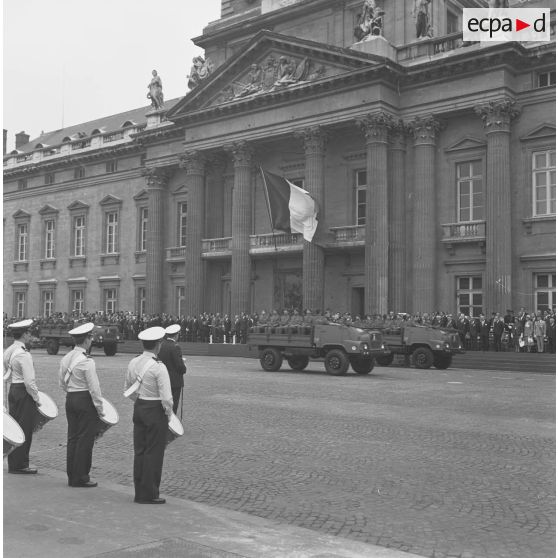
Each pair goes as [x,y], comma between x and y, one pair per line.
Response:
[351,233]
[463,232]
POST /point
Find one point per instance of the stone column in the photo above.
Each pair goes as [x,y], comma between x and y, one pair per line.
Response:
[194,164]
[497,117]
[157,180]
[376,248]
[242,154]
[397,254]
[425,221]
[314,139]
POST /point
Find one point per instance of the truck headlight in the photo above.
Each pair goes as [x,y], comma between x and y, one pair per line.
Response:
[365,346]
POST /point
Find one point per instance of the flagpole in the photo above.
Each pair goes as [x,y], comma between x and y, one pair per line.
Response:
[268,204]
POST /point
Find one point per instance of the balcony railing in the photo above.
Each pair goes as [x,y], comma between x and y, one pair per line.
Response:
[471,231]
[216,247]
[430,47]
[176,253]
[350,235]
[280,242]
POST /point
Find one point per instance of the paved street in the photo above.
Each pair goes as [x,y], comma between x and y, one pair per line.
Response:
[456,463]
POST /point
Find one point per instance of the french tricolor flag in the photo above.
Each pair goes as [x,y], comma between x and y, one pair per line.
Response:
[290,208]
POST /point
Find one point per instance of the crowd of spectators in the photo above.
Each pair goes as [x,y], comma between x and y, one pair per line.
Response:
[520,332]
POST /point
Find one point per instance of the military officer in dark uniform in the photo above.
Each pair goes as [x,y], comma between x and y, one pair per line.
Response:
[171,356]
[147,382]
[78,378]
[23,397]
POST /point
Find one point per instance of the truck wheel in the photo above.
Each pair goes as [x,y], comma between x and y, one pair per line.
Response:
[362,365]
[299,362]
[423,358]
[52,346]
[271,359]
[110,349]
[441,362]
[384,360]
[336,362]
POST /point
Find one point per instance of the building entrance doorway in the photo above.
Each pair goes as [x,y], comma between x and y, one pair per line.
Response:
[357,301]
[288,290]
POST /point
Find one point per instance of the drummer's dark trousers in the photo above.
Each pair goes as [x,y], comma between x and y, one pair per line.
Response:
[83,424]
[24,410]
[150,440]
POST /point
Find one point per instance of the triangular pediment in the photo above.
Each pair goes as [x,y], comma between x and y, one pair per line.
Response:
[545,130]
[110,200]
[141,195]
[21,214]
[466,143]
[271,63]
[77,205]
[47,209]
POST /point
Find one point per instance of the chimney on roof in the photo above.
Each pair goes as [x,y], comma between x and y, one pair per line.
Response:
[5,140]
[21,139]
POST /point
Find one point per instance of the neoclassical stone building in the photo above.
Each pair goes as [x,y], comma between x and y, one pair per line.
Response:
[433,163]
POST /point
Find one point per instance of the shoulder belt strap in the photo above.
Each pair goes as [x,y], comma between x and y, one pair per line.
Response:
[70,370]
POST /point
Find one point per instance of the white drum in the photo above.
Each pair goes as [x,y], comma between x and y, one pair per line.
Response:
[13,434]
[109,419]
[45,412]
[175,429]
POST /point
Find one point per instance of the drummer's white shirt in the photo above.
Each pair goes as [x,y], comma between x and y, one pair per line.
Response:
[23,371]
[156,382]
[84,376]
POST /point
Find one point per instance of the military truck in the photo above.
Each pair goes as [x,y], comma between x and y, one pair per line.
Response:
[338,345]
[423,345]
[105,336]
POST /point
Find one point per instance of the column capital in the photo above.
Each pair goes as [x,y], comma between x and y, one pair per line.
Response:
[314,139]
[156,177]
[193,161]
[398,135]
[242,153]
[425,129]
[376,126]
[497,115]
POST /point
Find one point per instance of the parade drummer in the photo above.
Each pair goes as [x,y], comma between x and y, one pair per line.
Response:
[23,397]
[171,356]
[78,378]
[147,383]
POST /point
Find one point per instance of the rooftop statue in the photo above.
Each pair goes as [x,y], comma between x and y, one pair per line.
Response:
[369,21]
[199,71]
[422,15]
[156,91]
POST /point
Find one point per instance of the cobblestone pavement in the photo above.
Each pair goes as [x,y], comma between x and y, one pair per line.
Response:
[456,463]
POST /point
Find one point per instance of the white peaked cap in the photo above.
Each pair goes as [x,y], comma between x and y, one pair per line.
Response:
[151,334]
[172,329]
[82,329]
[23,324]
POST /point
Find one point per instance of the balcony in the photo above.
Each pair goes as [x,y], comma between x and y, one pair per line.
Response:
[175,253]
[274,243]
[216,247]
[352,235]
[459,233]
[431,47]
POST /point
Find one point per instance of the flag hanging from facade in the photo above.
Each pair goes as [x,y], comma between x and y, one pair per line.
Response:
[290,208]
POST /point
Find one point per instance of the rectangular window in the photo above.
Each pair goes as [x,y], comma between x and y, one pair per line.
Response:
[49,178]
[141,300]
[544,182]
[48,303]
[20,300]
[182,216]
[452,22]
[360,197]
[49,239]
[544,79]
[469,296]
[22,184]
[22,241]
[179,300]
[112,232]
[143,230]
[79,235]
[111,166]
[545,291]
[78,304]
[470,195]
[110,296]
[79,172]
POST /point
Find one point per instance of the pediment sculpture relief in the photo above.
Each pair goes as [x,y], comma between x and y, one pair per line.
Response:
[273,75]
[200,70]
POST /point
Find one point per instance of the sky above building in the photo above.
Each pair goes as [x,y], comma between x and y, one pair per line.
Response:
[71,61]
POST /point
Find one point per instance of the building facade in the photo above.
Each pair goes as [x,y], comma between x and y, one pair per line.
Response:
[433,162]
